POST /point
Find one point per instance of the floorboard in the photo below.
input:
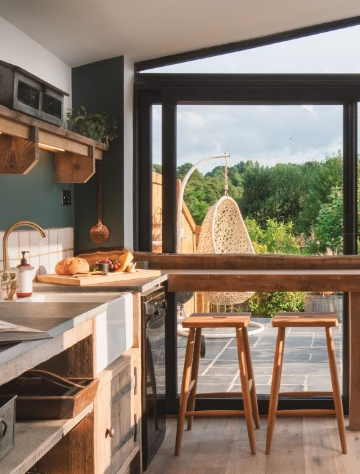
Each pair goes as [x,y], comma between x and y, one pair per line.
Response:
[221,446]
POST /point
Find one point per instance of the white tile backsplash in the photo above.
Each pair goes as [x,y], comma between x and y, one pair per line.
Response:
[35,243]
[61,236]
[44,244]
[53,260]
[44,264]
[13,246]
[45,253]
[53,240]
[24,242]
[69,238]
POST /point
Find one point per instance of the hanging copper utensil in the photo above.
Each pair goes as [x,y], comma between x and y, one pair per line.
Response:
[99,233]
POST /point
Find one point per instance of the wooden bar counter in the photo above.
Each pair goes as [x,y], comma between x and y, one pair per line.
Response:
[344,280]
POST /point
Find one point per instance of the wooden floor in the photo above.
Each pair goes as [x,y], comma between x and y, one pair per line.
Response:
[220,446]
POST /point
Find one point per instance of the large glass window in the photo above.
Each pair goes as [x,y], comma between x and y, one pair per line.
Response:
[284,176]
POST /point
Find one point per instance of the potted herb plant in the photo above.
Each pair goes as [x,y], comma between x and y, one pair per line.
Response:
[100,127]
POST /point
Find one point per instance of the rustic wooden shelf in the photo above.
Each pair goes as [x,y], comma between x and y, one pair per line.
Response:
[34,439]
[21,136]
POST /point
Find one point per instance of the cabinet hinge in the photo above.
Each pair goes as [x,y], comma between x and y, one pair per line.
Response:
[136,428]
[132,433]
[136,380]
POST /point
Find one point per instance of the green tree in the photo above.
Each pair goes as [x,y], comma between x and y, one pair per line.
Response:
[322,177]
[274,193]
[157,168]
[328,228]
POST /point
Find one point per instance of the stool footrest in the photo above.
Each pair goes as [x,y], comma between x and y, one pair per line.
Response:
[220,395]
[305,394]
[211,413]
[305,412]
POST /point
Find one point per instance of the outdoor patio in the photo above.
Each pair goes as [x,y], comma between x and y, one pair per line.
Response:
[305,362]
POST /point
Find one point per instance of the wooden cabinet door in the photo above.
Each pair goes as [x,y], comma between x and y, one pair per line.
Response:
[116,427]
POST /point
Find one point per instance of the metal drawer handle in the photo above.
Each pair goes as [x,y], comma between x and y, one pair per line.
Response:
[3,428]
[110,432]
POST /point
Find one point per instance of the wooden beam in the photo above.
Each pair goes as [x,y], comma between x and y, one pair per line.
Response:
[264,280]
[174,261]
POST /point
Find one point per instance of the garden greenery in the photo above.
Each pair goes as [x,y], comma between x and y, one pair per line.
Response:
[288,209]
[100,127]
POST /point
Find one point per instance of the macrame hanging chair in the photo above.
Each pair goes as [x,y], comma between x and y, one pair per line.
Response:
[223,231]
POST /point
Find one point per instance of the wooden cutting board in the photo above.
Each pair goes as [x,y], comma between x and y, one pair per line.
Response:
[93,279]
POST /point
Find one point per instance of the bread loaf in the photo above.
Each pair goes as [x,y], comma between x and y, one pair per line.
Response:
[71,266]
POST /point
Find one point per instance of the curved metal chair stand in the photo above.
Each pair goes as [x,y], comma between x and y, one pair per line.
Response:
[223,231]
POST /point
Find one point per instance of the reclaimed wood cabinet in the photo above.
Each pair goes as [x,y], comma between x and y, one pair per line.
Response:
[105,437]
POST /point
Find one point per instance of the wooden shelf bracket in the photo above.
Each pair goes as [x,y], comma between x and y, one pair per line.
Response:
[19,155]
[74,168]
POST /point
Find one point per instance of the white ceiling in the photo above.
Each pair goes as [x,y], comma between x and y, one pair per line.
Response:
[83,31]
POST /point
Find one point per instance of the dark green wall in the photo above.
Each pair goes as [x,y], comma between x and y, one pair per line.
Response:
[100,87]
[35,196]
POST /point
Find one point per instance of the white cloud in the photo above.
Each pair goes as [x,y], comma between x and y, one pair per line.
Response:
[268,134]
[309,108]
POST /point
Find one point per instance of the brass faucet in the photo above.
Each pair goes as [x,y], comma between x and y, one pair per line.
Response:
[9,280]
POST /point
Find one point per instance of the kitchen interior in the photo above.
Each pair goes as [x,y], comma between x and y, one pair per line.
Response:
[87,394]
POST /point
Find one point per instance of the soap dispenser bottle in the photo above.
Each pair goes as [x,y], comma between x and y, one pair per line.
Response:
[25,277]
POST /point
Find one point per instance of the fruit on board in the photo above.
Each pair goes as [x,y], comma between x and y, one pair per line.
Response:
[125,261]
[115,265]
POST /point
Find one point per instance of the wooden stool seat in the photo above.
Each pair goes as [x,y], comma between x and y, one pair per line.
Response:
[301,320]
[305,320]
[195,323]
[217,320]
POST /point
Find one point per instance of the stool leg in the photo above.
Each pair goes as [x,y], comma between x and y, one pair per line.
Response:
[245,389]
[184,390]
[275,387]
[194,376]
[336,389]
[254,403]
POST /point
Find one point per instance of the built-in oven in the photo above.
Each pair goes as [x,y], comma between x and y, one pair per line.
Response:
[153,372]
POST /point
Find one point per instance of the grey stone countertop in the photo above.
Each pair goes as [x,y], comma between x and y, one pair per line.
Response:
[55,318]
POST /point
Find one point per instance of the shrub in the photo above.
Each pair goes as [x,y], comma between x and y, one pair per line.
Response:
[267,304]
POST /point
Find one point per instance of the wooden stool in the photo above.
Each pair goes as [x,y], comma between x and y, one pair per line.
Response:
[304,320]
[196,322]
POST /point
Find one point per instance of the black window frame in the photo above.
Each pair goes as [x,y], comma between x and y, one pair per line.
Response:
[170,90]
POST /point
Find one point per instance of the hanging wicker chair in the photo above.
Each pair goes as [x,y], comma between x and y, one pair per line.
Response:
[224,231]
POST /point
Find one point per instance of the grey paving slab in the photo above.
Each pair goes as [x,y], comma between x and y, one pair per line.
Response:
[305,362]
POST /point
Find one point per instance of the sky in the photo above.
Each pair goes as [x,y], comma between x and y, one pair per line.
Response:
[267,134]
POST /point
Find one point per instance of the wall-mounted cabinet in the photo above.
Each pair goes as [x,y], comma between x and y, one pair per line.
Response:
[22,136]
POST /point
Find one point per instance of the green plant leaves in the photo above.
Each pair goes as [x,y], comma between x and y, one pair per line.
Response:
[100,127]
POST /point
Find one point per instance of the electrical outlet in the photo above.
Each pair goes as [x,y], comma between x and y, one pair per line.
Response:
[66,197]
